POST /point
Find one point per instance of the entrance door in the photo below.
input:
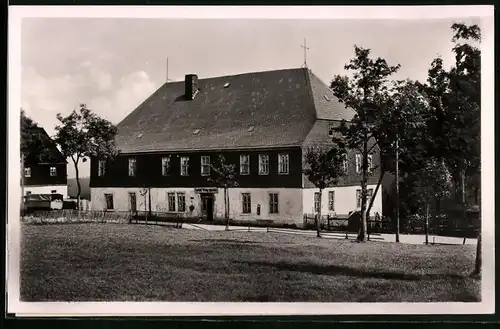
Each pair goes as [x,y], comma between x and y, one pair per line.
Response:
[207,206]
[133,202]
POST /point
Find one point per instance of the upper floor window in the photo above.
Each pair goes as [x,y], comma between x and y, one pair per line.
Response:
[273,203]
[101,168]
[246,203]
[331,200]
[53,171]
[132,167]
[263,164]
[205,165]
[184,166]
[27,172]
[370,162]
[283,164]
[244,164]
[345,164]
[358,163]
[165,166]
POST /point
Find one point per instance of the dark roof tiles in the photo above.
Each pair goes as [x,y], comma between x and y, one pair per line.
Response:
[282,106]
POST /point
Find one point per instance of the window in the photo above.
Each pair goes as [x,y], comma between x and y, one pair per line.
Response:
[165,166]
[263,164]
[283,164]
[205,165]
[28,192]
[317,203]
[101,168]
[27,172]
[247,203]
[368,197]
[184,166]
[331,200]
[109,201]
[53,171]
[132,166]
[53,191]
[370,162]
[244,164]
[358,163]
[181,202]
[345,164]
[171,201]
[273,203]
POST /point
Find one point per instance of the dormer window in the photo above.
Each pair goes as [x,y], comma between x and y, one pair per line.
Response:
[27,172]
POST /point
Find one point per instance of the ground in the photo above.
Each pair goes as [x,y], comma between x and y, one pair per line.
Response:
[120,262]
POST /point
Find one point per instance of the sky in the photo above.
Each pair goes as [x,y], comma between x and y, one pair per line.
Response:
[113,64]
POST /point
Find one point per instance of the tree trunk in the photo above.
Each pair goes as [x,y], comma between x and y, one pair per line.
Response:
[22,186]
[381,177]
[479,255]
[363,227]
[79,188]
[226,208]
[318,216]
[427,223]
[149,202]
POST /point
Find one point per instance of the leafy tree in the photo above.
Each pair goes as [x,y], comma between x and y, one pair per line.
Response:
[34,146]
[225,177]
[434,181]
[323,168]
[367,93]
[82,134]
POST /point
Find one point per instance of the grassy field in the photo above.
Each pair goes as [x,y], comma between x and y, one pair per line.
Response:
[114,262]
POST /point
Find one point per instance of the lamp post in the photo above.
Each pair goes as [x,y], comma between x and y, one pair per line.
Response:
[397,188]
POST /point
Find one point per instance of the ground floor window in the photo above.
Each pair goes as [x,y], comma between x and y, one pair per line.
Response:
[247,203]
[181,202]
[316,202]
[273,203]
[331,200]
[109,201]
[368,197]
[171,201]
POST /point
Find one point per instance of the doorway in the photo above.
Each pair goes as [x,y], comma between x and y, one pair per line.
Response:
[207,206]
[132,202]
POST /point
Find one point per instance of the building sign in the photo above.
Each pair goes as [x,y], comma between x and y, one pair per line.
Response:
[206,190]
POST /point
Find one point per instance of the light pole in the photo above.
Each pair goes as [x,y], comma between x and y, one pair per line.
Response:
[397,188]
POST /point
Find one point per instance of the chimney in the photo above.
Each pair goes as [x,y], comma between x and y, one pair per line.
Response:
[191,86]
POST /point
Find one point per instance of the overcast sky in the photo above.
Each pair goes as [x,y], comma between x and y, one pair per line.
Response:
[112,65]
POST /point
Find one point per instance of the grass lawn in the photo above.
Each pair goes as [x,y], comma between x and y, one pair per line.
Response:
[114,262]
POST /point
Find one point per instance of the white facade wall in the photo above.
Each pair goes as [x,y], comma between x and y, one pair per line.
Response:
[344,200]
[290,202]
[47,189]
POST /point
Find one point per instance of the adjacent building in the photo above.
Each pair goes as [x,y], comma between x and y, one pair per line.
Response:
[261,122]
[47,176]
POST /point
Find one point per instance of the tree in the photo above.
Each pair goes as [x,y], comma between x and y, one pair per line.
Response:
[366,92]
[81,135]
[225,177]
[434,181]
[323,168]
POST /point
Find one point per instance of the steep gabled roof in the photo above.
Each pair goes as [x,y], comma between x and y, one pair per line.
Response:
[262,109]
[50,153]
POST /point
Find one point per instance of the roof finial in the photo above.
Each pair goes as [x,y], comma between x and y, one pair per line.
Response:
[305,53]
[167,79]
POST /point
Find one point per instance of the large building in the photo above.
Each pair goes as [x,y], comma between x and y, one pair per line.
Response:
[47,176]
[261,122]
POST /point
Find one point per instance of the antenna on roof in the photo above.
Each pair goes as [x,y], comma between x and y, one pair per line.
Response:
[305,53]
[167,79]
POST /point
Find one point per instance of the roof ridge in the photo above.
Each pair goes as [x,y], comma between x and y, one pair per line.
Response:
[249,73]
